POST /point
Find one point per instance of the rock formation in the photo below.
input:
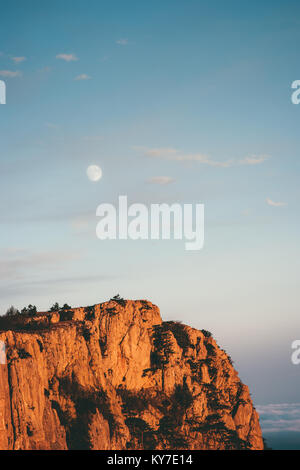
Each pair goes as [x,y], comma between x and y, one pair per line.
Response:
[115,376]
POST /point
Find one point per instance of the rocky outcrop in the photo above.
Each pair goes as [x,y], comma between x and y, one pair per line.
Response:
[115,376]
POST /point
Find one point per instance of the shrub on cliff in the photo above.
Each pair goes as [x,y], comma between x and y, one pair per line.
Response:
[179,333]
[23,354]
[119,300]
[30,310]
[90,312]
[163,349]
[182,396]
[169,429]
[11,311]
[55,307]
[141,430]
[66,307]
[206,333]
[145,305]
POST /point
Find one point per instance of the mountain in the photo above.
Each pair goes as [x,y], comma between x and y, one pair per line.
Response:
[115,376]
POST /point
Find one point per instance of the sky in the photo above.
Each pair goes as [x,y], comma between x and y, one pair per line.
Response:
[186,102]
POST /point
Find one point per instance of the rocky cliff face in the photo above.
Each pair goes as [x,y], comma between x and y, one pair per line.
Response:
[114,376]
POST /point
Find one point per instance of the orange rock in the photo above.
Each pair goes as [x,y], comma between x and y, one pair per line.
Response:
[114,376]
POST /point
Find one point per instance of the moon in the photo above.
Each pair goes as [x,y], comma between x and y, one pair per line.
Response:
[94,173]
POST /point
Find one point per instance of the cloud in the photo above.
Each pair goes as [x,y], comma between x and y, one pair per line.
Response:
[169,153]
[17,264]
[10,73]
[42,217]
[122,42]
[162,180]
[280,417]
[48,286]
[275,204]
[83,76]
[164,152]
[254,160]
[18,60]
[82,221]
[71,280]
[67,57]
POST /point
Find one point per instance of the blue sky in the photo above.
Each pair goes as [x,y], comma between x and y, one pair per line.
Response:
[105,83]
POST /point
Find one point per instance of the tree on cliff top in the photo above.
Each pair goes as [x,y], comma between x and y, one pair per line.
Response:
[30,310]
[119,300]
[66,307]
[11,311]
[55,307]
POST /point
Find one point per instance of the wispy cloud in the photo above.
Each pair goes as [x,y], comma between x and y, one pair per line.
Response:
[122,42]
[254,160]
[280,417]
[67,57]
[16,265]
[275,204]
[170,153]
[10,73]
[18,60]
[71,280]
[162,152]
[162,180]
[50,287]
[82,76]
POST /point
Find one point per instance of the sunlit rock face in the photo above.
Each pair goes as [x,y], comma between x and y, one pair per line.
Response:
[115,376]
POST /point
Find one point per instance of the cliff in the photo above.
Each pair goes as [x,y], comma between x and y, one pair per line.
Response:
[114,376]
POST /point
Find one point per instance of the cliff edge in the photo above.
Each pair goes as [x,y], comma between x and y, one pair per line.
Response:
[115,376]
